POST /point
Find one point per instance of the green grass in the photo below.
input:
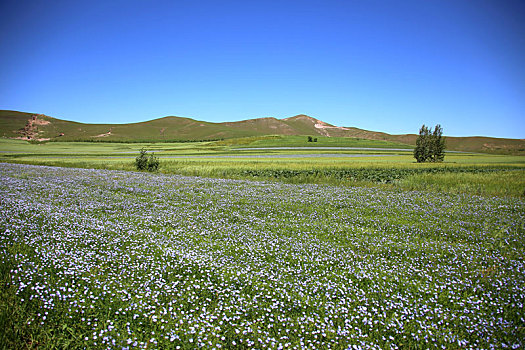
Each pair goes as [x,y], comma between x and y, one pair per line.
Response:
[498,183]
[482,174]
[302,141]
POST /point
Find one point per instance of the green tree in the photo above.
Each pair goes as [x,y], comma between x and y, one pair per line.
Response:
[422,150]
[437,145]
[430,145]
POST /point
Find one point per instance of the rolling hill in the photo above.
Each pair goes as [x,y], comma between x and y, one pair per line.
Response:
[39,127]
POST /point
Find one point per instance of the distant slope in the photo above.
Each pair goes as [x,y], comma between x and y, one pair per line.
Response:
[29,126]
[11,122]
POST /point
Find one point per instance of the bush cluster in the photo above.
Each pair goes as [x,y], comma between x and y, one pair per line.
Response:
[146,162]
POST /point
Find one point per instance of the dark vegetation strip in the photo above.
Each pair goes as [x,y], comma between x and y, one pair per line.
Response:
[378,175]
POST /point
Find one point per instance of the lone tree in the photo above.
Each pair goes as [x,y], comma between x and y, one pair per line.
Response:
[145,162]
[430,145]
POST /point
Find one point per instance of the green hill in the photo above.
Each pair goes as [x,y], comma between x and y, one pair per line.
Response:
[39,127]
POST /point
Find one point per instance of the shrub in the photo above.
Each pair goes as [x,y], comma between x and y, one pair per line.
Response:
[146,162]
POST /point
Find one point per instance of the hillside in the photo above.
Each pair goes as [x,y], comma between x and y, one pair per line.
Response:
[38,127]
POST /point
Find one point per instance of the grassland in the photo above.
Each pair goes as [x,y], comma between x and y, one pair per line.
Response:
[336,161]
[302,141]
[110,259]
[351,246]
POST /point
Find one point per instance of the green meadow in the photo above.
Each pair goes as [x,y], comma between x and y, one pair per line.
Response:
[259,242]
[292,159]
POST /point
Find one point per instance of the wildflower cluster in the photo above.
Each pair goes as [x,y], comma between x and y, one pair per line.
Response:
[111,259]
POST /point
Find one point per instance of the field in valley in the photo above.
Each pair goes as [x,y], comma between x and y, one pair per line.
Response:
[242,244]
[291,159]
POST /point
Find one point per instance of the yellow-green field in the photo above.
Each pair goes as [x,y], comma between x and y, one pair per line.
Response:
[340,161]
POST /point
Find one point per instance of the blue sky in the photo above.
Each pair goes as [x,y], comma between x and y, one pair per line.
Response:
[379,65]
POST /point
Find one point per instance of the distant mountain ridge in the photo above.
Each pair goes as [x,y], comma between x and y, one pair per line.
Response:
[39,127]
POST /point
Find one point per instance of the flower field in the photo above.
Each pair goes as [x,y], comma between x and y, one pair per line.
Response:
[114,259]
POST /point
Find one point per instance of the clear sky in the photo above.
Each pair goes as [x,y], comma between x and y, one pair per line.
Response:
[379,65]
